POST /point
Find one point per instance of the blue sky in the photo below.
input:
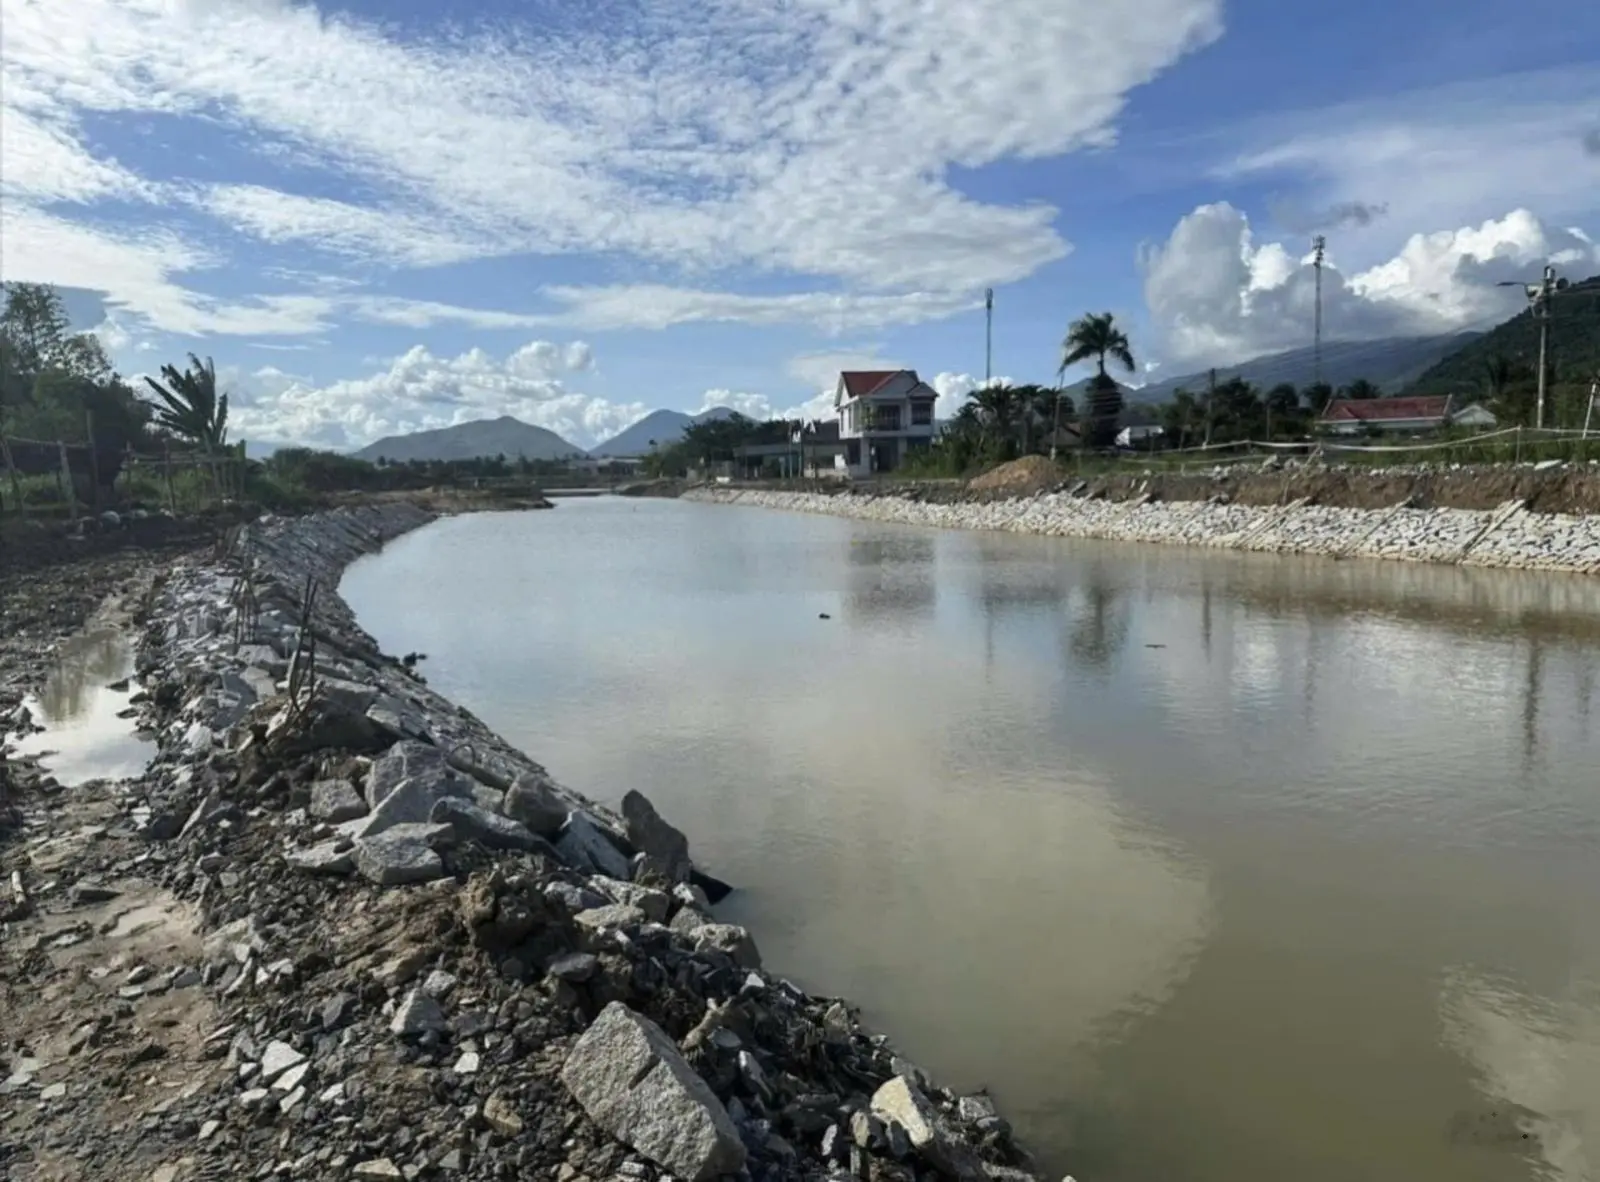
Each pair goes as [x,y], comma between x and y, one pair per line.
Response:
[381,217]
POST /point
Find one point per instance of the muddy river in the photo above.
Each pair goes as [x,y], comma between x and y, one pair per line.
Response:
[1212,866]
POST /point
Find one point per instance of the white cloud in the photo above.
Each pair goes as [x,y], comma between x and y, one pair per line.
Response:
[806,139]
[1217,296]
[136,270]
[1442,157]
[418,391]
[656,306]
[337,226]
[953,389]
[40,160]
[759,406]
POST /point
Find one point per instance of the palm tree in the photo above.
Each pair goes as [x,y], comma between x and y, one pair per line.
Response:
[999,409]
[193,410]
[1097,336]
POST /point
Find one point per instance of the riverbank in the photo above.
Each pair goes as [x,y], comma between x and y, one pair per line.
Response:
[338,928]
[1508,535]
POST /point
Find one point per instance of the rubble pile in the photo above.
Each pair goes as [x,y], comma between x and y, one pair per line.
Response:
[414,954]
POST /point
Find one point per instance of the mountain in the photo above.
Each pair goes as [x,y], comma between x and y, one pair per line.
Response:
[1574,346]
[660,427]
[1389,363]
[504,436]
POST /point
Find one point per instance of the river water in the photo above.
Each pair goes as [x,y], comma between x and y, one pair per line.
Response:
[1214,867]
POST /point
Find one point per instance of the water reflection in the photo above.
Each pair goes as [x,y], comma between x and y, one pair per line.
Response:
[84,739]
[891,577]
[1100,627]
[1538,1059]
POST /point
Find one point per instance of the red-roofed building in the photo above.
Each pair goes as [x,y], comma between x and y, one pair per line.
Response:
[884,416]
[1357,416]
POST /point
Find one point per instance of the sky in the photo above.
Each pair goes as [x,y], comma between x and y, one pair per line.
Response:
[386,216]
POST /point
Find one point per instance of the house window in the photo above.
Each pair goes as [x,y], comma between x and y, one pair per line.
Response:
[922,414]
[886,418]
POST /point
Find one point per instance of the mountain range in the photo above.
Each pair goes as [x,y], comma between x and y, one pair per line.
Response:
[1390,363]
[504,436]
[659,428]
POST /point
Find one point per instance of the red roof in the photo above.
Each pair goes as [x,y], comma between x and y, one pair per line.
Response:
[858,383]
[1376,410]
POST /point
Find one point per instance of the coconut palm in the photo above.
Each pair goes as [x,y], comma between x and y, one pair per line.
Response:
[1096,336]
[190,406]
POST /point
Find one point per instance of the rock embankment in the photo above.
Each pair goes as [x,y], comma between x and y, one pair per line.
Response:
[339,929]
[1507,536]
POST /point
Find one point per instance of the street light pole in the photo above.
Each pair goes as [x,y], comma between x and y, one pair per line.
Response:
[1539,296]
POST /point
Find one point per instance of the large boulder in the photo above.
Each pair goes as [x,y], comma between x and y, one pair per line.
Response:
[731,939]
[408,760]
[584,845]
[631,1080]
[472,822]
[665,848]
[403,854]
[411,802]
[900,1102]
[532,801]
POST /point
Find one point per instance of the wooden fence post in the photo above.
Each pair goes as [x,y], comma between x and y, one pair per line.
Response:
[166,472]
[16,481]
[66,478]
[94,462]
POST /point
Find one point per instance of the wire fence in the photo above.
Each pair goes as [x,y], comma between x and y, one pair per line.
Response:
[53,477]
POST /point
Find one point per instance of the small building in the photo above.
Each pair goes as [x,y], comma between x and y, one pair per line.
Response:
[1142,437]
[1392,416]
[1477,416]
[884,416]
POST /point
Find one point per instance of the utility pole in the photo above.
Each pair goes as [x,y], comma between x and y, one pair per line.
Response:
[1211,402]
[988,334]
[1539,296]
[1319,248]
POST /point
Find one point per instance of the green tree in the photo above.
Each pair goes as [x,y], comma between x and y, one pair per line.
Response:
[190,406]
[1096,336]
[1361,390]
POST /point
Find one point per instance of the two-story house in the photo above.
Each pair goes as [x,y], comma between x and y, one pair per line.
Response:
[884,416]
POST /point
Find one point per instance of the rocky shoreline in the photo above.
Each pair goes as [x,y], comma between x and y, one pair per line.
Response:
[339,929]
[1509,536]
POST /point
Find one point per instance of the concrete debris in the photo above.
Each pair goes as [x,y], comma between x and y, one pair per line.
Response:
[631,1080]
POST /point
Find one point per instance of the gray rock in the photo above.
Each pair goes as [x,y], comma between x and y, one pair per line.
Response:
[584,846]
[532,801]
[975,1108]
[416,1015]
[337,1010]
[395,858]
[408,760]
[629,1077]
[575,967]
[664,844]
[473,823]
[573,898]
[278,1058]
[410,802]
[617,915]
[348,696]
[731,939]
[333,857]
[333,801]
[688,921]
[901,1103]
[652,902]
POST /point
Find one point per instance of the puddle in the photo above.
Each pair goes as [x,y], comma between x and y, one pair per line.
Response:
[84,738]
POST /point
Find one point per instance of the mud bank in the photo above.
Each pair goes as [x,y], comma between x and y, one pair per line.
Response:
[1509,535]
[339,929]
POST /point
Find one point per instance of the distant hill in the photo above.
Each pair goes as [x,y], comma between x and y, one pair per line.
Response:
[1574,348]
[504,436]
[661,427]
[1389,363]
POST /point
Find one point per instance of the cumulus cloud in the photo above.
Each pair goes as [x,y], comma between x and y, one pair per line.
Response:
[1217,295]
[419,391]
[807,140]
